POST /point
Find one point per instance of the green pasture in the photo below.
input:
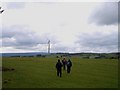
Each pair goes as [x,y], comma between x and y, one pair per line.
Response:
[38,72]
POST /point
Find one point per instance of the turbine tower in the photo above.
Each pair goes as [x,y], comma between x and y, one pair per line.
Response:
[48,46]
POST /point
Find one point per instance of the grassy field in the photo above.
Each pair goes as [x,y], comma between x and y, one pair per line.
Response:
[33,72]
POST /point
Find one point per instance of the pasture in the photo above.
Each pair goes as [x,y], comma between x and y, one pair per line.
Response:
[39,72]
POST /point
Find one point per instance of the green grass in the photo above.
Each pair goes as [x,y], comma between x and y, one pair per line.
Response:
[33,72]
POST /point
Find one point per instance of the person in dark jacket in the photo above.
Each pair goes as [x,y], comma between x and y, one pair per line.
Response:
[64,62]
[69,65]
[59,68]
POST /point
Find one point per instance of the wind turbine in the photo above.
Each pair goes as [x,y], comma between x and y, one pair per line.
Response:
[48,46]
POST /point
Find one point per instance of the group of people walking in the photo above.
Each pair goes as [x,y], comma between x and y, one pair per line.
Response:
[65,63]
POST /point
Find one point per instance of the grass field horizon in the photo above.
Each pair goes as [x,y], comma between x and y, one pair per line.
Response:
[39,72]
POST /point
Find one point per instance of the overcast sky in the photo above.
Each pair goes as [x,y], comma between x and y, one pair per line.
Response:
[70,26]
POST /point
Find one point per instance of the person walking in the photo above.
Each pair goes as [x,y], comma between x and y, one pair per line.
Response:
[69,65]
[59,68]
[64,62]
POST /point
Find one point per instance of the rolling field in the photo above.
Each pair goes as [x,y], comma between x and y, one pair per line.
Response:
[36,72]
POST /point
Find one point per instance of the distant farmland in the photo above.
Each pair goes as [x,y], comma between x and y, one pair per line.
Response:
[40,72]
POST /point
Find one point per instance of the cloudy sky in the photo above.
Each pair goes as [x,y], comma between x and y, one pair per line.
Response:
[70,26]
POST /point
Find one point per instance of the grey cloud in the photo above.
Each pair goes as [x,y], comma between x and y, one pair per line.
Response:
[99,42]
[21,37]
[9,32]
[15,5]
[106,14]
[119,12]
[59,48]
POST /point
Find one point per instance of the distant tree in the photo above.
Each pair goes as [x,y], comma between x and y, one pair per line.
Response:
[39,55]
[57,56]
[15,56]
[43,56]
